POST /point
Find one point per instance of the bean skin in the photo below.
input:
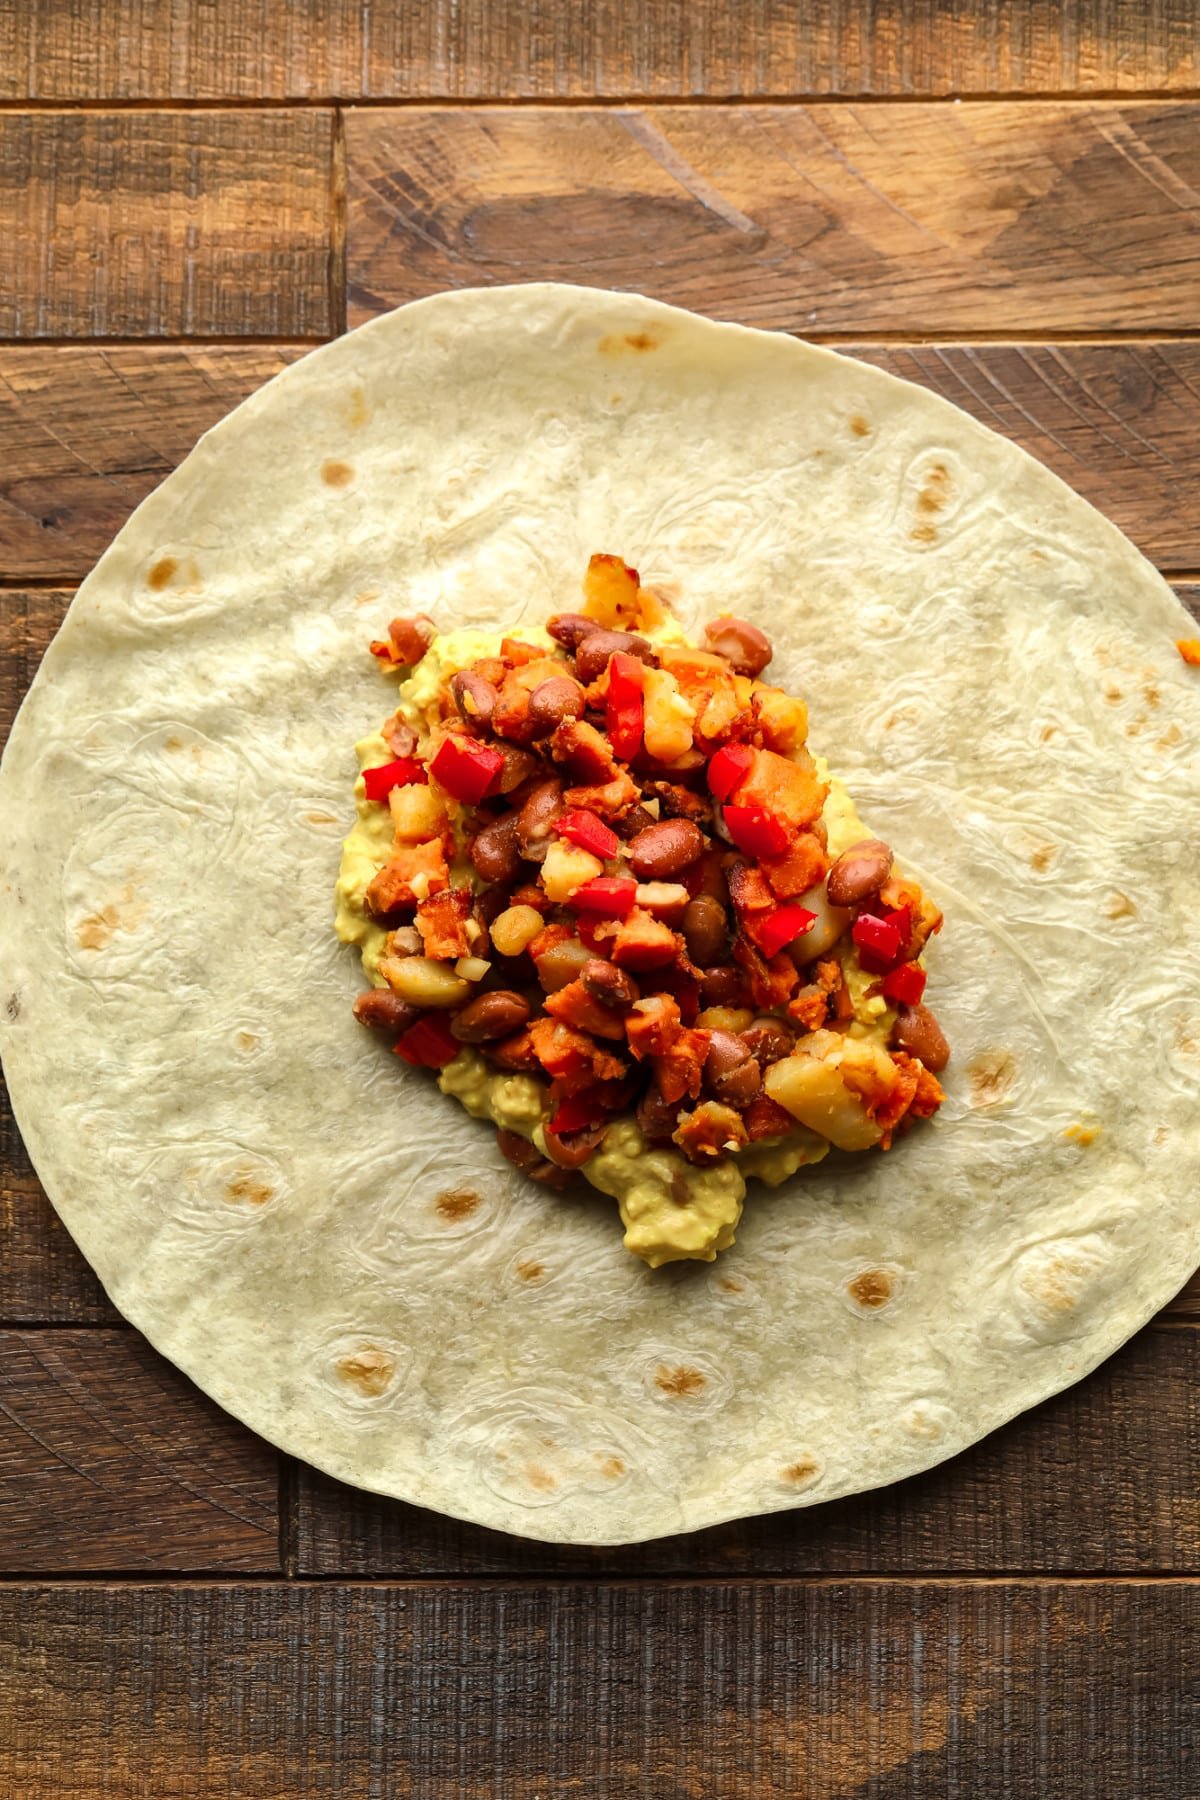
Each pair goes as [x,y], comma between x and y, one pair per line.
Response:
[731,1070]
[767,1040]
[491,1016]
[662,850]
[495,852]
[542,806]
[592,652]
[570,629]
[705,930]
[474,697]
[746,648]
[656,1116]
[554,700]
[917,1031]
[608,984]
[858,873]
[722,986]
[525,1156]
[384,1011]
[570,1150]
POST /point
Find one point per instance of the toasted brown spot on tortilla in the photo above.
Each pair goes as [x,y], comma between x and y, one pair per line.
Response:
[1082,1134]
[924,534]
[369,1370]
[681,1383]
[871,1289]
[934,495]
[1170,737]
[246,1040]
[1112,693]
[529,1269]
[458,1203]
[1048,732]
[321,818]
[1153,693]
[540,1478]
[991,1075]
[356,412]
[801,1471]
[336,474]
[616,343]
[98,929]
[731,1286]
[174,745]
[161,573]
[1120,906]
[13,1008]
[368,597]
[1042,857]
[859,426]
[249,1190]
[612,1466]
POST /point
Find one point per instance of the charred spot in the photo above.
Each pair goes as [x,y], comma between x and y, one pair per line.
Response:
[369,1370]
[860,426]
[871,1290]
[802,1471]
[936,491]
[161,574]
[458,1203]
[530,1269]
[336,474]
[681,1383]
[990,1074]
[13,1007]
[248,1190]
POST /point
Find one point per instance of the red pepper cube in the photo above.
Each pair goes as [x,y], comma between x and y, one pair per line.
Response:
[755,831]
[728,769]
[572,1115]
[878,943]
[781,928]
[406,771]
[468,771]
[905,985]
[589,832]
[429,1044]
[611,895]
[624,707]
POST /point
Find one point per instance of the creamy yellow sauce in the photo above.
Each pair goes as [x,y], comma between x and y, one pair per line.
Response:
[671,1209]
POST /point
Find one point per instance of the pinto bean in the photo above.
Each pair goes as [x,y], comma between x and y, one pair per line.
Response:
[662,850]
[705,930]
[767,1040]
[731,1070]
[630,823]
[858,872]
[743,645]
[656,1116]
[570,629]
[384,1011]
[536,818]
[917,1031]
[571,1149]
[475,698]
[495,852]
[515,1052]
[592,652]
[722,986]
[554,700]
[491,1016]
[608,984]
[526,1156]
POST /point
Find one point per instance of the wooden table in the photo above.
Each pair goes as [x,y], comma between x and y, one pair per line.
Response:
[190,197]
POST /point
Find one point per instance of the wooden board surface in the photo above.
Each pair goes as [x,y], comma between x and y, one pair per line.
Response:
[313,49]
[922,220]
[182,172]
[650,1691]
[210,207]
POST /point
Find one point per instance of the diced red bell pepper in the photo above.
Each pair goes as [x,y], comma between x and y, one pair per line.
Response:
[572,1114]
[624,708]
[879,943]
[589,832]
[781,928]
[728,769]
[755,831]
[905,985]
[404,772]
[611,895]
[467,770]
[429,1044]
[587,928]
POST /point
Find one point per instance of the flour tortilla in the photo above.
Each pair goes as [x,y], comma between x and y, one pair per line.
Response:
[330,1247]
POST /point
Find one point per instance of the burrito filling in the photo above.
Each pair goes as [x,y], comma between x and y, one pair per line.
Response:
[601,886]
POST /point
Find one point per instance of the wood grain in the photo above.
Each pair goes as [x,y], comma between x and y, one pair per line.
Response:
[922,220]
[87,431]
[650,1692]
[166,224]
[110,1459]
[257,49]
[1104,1477]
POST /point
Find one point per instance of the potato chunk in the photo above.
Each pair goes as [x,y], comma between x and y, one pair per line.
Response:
[811,1088]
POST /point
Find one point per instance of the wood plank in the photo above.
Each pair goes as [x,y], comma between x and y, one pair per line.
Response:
[922,220]
[655,1691]
[87,431]
[259,49]
[1104,1477]
[110,1459]
[154,224]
